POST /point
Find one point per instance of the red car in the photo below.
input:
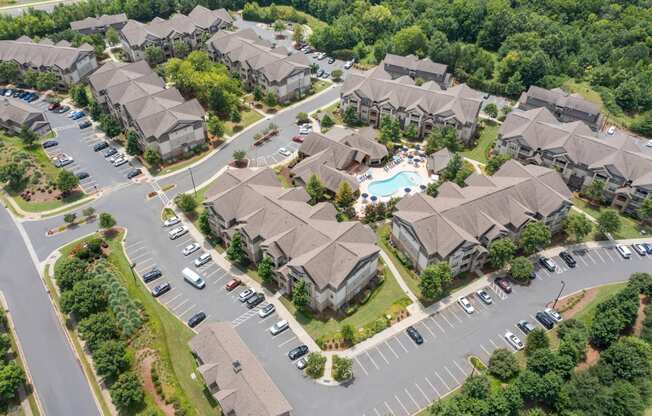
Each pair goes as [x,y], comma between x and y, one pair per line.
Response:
[503,284]
[232,284]
[54,106]
[298,139]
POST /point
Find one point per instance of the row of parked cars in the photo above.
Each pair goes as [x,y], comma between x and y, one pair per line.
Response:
[548,318]
[22,94]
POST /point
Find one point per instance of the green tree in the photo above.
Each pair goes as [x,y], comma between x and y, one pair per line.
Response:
[239,156]
[432,189]
[70,217]
[112,37]
[13,174]
[85,298]
[315,189]
[453,168]
[95,110]
[154,55]
[503,364]
[69,271]
[521,268]
[645,209]
[181,49]
[595,191]
[609,221]
[110,125]
[266,269]
[344,198]
[46,80]
[12,377]
[537,339]
[342,368]
[390,130]
[152,156]
[476,387]
[204,223]
[88,212]
[535,236]
[215,126]
[491,110]
[97,328]
[297,33]
[434,279]
[348,333]
[258,93]
[302,117]
[337,75]
[300,295]
[501,252]
[186,202]
[350,117]
[28,136]
[111,359]
[410,40]
[235,252]
[440,137]
[133,148]
[496,162]
[279,26]
[327,122]
[79,95]
[271,100]
[126,391]
[106,220]
[315,364]
[236,116]
[577,225]
[66,181]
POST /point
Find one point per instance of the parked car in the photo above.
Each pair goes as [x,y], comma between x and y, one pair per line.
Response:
[466,305]
[553,314]
[171,221]
[255,300]
[120,161]
[624,251]
[525,326]
[285,152]
[640,249]
[115,157]
[320,73]
[232,284]
[26,96]
[298,139]
[302,363]
[568,259]
[648,247]
[611,130]
[305,129]
[548,264]
[82,175]
[203,259]
[279,327]
[63,161]
[545,320]
[246,294]
[78,115]
[348,64]
[133,173]
[190,248]
[266,310]
[514,340]
[50,143]
[177,232]
[85,124]
[62,109]
[484,296]
[196,319]
[151,275]
[161,289]
[331,60]
[502,283]
[33,98]
[101,146]
[9,92]
[54,106]
[414,334]
[298,352]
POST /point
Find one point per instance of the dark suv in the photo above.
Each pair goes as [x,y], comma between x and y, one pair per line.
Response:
[298,352]
[414,334]
[565,255]
[255,300]
[152,275]
[545,320]
[196,319]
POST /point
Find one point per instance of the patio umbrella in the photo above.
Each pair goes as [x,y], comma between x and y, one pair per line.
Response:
[364,195]
[407,190]
[423,187]
[374,198]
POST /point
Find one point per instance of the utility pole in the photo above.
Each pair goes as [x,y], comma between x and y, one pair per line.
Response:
[192,178]
[563,284]
[132,265]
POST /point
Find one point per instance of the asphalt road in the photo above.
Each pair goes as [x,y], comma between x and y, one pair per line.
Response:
[56,373]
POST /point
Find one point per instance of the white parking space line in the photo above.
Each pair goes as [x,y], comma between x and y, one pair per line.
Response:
[455,314]
[287,342]
[361,366]
[168,301]
[140,256]
[185,242]
[390,409]
[608,254]
[372,360]
[446,319]
[382,355]
[442,380]
[485,350]
[412,398]
[460,368]
[437,323]
[136,249]
[149,262]
[432,386]
[401,403]
[452,375]
[174,309]
[211,273]
[428,328]
[185,311]
[493,343]
[391,349]
[583,261]
[597,252]
[588,254]
[262,320]
[424,394]
[401,344]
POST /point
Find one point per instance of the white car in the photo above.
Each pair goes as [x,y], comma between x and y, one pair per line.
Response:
[266,310]
[466,305]
[484,296]
[305,129]
[513,340]
[172,221]
[116,157]
[279,327]
[348,64]
[553,314]
[177,232]
[302,363]
[191,248]
[120,162]
[285,152]
[203,259]
[611,130]
[625,252]
[649,143]
[246,294]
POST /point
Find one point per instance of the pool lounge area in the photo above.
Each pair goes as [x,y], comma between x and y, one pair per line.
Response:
[392,186]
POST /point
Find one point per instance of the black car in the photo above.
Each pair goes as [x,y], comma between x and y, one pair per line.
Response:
[50,143]
[320,73]
[161,289]
[545,320]
[298,352]
[82,175]
[133,173]
[153,274]
[331,60]
[85,124]
[3,91]
[17,93]
[110,152]
[101,146]
[503,284]
[568,259]
[196,319]
[255,300]
[414,334]
[525,326]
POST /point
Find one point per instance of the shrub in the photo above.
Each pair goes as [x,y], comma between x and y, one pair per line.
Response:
[315,365]
[69,271]
[503,364]
[111,358]
[97,328]
[537,339]
[342,368]
[126,391]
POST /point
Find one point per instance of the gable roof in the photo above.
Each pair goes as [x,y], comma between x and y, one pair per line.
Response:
[413,63]
[98,22]
[559,98]
[25,51]
[19,112]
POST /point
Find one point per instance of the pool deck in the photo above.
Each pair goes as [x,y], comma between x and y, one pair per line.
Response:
[379,174]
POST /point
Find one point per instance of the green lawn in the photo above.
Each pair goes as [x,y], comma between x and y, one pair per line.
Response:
[249,117]
[379,303]
[29,206]
[179,165]
[331,111]
[286,11]
[604,293]
[630,228]
[167,335]
[320,85]
[484,144]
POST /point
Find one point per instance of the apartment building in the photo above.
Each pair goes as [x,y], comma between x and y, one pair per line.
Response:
[193,30]
[459,224]
[375,94]
[624,163]
[565,107]
[424,69]
[93,25]
[139,99]
[336,157]
[259,64]
[336,259]
[14,114]
[69,64]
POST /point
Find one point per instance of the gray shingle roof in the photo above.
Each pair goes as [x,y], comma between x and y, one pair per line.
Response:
[438,161]
[559,98]
[98,22]
[19,113]
[24,51]
[245,388]
[413,63]
[504,201]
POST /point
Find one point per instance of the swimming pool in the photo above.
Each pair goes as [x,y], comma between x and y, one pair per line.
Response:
[388,187]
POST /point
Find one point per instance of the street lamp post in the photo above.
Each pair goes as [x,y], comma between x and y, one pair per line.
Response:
[132,265]
[563,284]
[192,178]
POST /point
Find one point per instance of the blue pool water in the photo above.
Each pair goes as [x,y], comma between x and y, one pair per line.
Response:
[388,187]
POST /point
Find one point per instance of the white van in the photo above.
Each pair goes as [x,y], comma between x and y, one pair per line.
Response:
[193,278]
[624,251]
[177,232]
